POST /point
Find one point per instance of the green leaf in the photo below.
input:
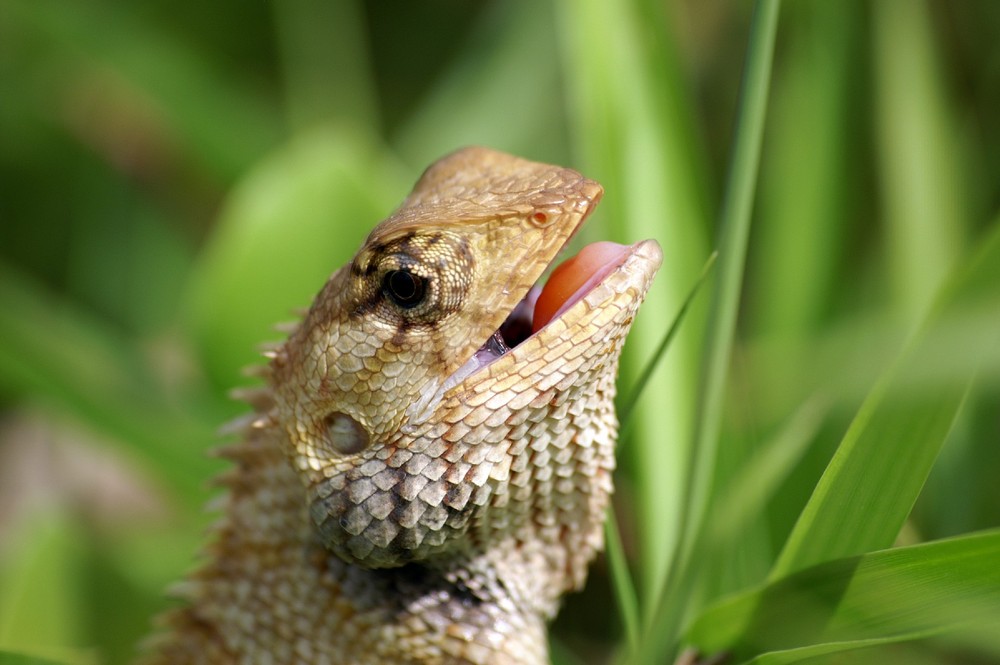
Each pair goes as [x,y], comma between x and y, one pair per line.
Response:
[632,121]
[733,239]
[814,653]
[625,594]
[926,186]
[948,587]
[874,478]
[753,485]
[724,307]
[799,235]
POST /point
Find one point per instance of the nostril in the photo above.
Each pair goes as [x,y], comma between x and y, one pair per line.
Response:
[345,435]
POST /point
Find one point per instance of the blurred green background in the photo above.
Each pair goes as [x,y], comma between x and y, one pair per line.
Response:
[176,177]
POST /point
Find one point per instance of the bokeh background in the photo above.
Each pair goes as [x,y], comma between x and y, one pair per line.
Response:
[175,177]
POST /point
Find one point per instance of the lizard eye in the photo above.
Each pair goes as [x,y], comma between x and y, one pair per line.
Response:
[406,289]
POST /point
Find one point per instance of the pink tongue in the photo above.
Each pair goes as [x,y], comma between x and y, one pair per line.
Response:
[574,277]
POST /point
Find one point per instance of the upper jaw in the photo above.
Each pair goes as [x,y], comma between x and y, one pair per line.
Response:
[622,283]
[605,311]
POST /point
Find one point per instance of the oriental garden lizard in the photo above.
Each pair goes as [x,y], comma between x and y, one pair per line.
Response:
[427,469]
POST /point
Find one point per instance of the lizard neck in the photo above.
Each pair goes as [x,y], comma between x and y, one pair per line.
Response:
[270,589]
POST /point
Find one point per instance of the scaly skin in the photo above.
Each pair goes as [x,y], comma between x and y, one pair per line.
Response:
[375,514]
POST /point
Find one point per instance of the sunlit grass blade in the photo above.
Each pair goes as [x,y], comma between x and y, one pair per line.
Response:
[628,405]
[632,125]
[874,478]
[926,188]
[621,581]
[624,587]
[814,653]
[734,233]
[800,235]
[944,587]
[753,485]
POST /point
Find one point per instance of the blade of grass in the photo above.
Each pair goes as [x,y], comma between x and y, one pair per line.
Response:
[734,232]
[624,588]
[754,484]
[810,653]
[870,485]
[947,586]
[736,546]
[621,581]
[733,237]
[925,186]
[632,124]
[628,405]
[806,163]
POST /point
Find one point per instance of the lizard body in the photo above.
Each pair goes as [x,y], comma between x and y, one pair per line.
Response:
[423,478]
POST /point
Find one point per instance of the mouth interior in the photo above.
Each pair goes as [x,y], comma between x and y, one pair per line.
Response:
[571,280]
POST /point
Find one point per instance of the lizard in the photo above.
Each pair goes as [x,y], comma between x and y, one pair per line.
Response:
[426,468]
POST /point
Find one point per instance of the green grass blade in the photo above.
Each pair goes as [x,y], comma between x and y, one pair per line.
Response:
[874,478]
[800,235]
[631,121]
[925,185]
[624,588]
[944,587]
[621,581]
[733,238]
[734,233]
[754,484]
[628,404]
[811,653]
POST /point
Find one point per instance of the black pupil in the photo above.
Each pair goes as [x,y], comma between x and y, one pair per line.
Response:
[405,288]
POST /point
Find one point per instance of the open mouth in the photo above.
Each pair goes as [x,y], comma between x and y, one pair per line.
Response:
[569,283]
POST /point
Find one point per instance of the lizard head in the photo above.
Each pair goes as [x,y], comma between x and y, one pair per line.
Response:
[423,397]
